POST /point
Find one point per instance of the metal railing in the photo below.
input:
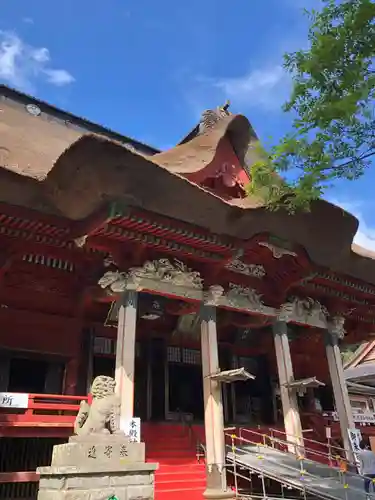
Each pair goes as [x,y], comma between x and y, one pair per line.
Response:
[333,452]
[194,440]
[339,474]
[338,460]
[20,456]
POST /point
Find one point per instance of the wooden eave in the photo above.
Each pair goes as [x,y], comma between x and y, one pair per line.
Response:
[142,221]
[54,235]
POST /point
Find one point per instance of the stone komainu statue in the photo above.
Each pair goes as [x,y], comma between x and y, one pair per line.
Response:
[103,415]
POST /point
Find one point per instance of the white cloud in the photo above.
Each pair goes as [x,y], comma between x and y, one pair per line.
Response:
[23,65]
[365,236]
[265,87]
[58,77]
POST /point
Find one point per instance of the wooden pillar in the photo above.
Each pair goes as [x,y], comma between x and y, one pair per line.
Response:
[125,353]
[85,366]
[68,380]
[71,376]
[213,408]
[4,371]
[340,390]
[292,420]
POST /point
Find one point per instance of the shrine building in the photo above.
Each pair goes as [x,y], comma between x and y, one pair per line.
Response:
[359,373]
[156,267]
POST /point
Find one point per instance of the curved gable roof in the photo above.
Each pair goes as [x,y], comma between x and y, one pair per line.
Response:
[94,170]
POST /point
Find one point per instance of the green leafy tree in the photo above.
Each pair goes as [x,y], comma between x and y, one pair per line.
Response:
[332,104]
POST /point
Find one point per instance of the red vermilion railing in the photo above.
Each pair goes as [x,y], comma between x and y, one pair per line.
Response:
[50,410]
[47,415]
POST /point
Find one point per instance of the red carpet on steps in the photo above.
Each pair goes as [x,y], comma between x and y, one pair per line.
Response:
[180,476]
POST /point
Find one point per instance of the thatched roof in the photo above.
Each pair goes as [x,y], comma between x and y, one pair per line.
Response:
[94,170]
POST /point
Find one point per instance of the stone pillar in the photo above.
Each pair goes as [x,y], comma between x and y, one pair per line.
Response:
[213,409]
[125,353]
[292,421]
[340,390]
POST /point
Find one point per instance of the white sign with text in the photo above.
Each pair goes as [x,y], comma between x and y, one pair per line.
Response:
[132,428]
[359,418]
[355,438]
[14,400]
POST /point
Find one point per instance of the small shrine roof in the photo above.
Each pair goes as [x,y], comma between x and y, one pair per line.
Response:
[360,389]
[361,367]
[360,355]
[361,372]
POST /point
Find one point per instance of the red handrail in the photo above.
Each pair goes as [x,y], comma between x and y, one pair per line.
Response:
[43,409]
[57,396]
[50,406]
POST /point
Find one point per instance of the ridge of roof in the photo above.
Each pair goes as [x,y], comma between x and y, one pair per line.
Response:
[93,127]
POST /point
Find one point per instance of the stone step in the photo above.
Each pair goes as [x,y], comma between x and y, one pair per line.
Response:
[180,494]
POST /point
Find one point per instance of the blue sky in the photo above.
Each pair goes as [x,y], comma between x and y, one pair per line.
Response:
[147,69]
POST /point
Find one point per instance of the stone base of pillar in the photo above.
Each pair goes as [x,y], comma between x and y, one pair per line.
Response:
[212,494]
[216,485]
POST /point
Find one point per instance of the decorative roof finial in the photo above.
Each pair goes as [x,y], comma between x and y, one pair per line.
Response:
[211,117]
[226,105]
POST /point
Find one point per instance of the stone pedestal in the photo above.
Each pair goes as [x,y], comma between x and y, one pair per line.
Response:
[215,490]
[97,468]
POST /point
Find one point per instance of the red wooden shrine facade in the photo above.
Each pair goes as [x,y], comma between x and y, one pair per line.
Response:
[77,200]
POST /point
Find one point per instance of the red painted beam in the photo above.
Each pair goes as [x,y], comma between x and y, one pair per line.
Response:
[30,214]
[106,243]
[38,421]
[178,225]
[60,250]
